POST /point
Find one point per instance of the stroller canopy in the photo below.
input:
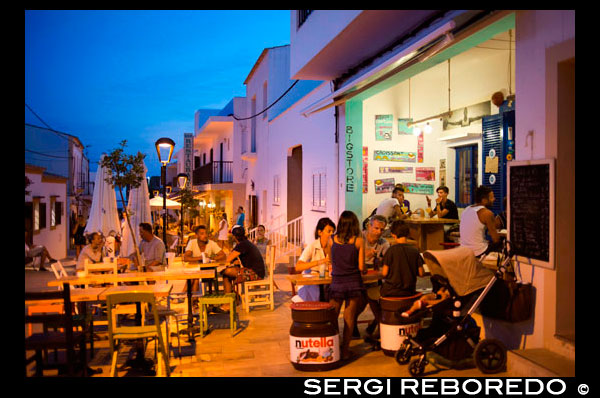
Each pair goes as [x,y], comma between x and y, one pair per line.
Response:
[460,267]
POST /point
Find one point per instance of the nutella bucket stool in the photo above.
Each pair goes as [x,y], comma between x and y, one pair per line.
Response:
[393,328]
[314,336]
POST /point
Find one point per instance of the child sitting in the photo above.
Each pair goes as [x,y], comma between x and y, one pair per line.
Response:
[428,300]
[401,264]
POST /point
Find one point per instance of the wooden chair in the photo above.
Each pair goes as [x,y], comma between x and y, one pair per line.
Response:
[118,332]
[65,339]
[260,292]
[215,299]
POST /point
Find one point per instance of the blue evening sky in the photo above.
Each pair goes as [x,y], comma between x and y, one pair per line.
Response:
[105,76]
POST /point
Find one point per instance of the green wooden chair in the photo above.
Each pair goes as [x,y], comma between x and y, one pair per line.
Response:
[216,298]
[116,333]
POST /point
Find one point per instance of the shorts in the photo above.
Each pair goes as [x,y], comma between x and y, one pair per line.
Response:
[245,275]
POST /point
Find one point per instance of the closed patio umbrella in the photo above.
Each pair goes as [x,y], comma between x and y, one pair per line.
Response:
[156,203]
[139,212]
[104,216]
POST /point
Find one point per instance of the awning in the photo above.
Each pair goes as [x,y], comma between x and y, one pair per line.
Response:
[425,45]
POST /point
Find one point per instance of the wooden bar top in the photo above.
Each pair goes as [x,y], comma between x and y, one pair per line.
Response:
[425,220]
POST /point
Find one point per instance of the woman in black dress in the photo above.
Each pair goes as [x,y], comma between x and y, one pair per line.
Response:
[78,236]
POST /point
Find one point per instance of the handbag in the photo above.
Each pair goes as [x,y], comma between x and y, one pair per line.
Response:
[509,300]
[521,295]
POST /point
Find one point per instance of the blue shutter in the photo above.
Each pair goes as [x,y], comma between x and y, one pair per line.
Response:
[493,137]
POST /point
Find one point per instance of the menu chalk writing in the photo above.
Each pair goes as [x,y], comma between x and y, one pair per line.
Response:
[530,212]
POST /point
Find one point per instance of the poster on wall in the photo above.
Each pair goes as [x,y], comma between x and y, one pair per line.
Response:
[394,156]
[383,127]
[365,170]
[384,185]
[425,173]
[395,169]
[443,172]
[403,128]
[421,189]
[420,148]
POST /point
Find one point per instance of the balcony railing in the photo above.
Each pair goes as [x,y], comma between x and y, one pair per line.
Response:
[217,172]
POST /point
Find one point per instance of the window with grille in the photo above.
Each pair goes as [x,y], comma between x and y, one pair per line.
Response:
[303,16]
[276,190]
[319,190]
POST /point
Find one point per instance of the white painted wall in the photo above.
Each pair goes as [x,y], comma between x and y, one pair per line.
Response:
[319,29]
[475,75]
[55,239]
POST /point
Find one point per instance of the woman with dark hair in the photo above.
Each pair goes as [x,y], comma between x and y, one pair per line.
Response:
[348,264]
[314,255]
[251,268]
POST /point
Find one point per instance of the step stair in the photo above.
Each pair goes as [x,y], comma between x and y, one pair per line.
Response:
[540,362]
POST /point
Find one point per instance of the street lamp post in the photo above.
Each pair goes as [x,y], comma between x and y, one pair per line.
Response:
[164,148]
[182,180]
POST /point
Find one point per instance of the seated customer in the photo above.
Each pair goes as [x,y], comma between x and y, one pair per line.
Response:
[201,244]
[402,264]
[391,208]
[314,255]
[476,219]
[152,249]
[444,207]
[37,251]
[252,263]
[91,252]
[261,241]
[375,248]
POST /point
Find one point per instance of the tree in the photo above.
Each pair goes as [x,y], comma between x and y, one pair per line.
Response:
[125,171]
[189,204]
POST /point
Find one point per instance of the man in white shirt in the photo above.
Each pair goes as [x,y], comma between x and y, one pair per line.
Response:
[474,221]
[91,252]
[195,248]
[152,248]
[391,208]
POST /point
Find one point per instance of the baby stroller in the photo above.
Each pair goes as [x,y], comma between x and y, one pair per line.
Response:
[453,333]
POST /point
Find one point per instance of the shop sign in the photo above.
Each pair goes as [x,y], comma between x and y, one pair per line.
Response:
[188,153]
[350,180]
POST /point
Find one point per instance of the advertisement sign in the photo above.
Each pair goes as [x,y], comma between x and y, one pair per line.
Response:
[188,154]
[403,128]
[394,156]
[422,189]
[365,186]
[384,185]
[395,169]
[425,173]
[383,127]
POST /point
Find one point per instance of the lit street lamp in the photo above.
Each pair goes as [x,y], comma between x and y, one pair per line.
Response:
[164,148]
[182,180]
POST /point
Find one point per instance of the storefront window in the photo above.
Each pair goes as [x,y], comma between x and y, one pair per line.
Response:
[466,174]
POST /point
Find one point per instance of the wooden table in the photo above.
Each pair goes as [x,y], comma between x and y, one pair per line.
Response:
[300,280]
[170,274]
[428,232]
[159,290]
[77,296]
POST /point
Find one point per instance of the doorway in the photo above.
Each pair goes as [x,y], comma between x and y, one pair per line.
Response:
[294,184]
[565,197]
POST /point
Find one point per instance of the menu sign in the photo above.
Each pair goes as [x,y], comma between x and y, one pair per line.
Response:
[531,211]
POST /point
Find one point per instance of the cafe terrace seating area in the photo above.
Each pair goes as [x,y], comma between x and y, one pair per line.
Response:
[256,346]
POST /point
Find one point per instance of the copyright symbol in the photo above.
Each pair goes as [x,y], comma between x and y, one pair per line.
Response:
[583,389]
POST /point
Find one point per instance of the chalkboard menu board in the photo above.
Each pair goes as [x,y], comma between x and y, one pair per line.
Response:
[531,211]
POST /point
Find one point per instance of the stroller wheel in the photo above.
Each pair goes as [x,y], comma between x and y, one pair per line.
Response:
[403,354]
[490,356]
[417,367]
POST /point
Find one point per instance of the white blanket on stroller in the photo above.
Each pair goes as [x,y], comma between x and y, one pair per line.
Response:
[460,267]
